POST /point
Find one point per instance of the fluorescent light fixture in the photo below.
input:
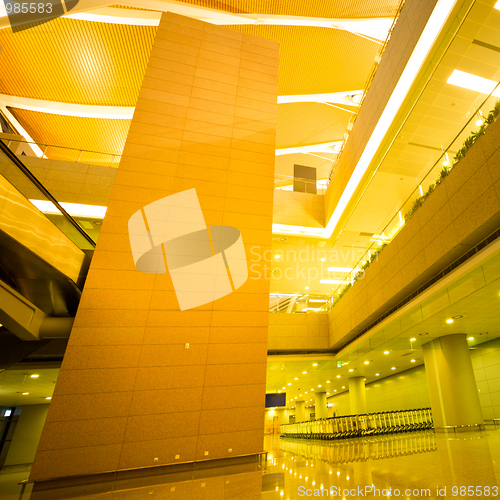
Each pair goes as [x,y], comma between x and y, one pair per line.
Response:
[367,362]
[315,364]
[312,309]
[497,5]
[386,352]
[413,339]
[35,375]
[7,413]
[413,360]
[393,368]
[473,82]
[471,338]
[25,393]
[74,209]
[318,300]
[449,321]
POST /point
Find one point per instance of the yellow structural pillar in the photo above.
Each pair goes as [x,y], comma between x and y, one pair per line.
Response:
[167,357]
[320,405]
[300,411]
[452,386]
[357,395]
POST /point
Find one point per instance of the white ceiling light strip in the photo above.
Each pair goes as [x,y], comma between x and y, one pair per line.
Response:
[67,109]
[74,209]
[425,43]
[472,82]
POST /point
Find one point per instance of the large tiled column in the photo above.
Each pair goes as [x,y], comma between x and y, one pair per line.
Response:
[452,386]
[300,411]
[144,383]
[357,395]
[320,404]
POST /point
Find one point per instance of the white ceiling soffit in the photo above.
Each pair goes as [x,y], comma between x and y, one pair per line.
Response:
[347,98]
[67,109]
[326,147]
[373,28]
[21,130]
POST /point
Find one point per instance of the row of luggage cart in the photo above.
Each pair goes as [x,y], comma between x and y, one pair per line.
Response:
[369,424]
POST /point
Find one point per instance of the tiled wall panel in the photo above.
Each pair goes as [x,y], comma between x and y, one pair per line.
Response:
[129,390]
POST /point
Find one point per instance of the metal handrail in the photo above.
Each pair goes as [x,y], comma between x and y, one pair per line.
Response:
[22,167]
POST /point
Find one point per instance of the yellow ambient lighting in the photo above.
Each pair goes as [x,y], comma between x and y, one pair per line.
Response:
[424,45]
[340,269]
[473,82]
[35,375]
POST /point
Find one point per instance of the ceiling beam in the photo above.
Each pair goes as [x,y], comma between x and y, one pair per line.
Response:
[376,29]
[67,109]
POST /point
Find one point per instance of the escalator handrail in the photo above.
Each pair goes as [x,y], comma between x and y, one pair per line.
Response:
[21,166]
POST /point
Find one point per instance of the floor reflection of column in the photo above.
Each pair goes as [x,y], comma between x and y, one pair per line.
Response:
[466,460]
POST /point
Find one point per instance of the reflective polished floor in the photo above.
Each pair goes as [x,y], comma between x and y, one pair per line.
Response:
[421,464]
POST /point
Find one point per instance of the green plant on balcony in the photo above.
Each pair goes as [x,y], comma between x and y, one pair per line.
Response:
[468,143]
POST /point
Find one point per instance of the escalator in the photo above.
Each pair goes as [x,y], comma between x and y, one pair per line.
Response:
[42,266]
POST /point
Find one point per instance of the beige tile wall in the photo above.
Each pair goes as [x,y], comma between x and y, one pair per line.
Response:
[462,211]
[298,331]
[129,391]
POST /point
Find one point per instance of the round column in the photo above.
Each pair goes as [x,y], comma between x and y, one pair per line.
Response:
[357,395]
[452,386]
[320,405]
[300,411]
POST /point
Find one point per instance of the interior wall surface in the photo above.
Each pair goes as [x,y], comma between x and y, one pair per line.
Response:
[27,435]
[144,383]
[403,391]
[411,22]
[408,389]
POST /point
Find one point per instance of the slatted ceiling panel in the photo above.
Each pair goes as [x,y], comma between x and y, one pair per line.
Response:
[309,8]
[74,61]
[318,60]
[106,136]
[318,123]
